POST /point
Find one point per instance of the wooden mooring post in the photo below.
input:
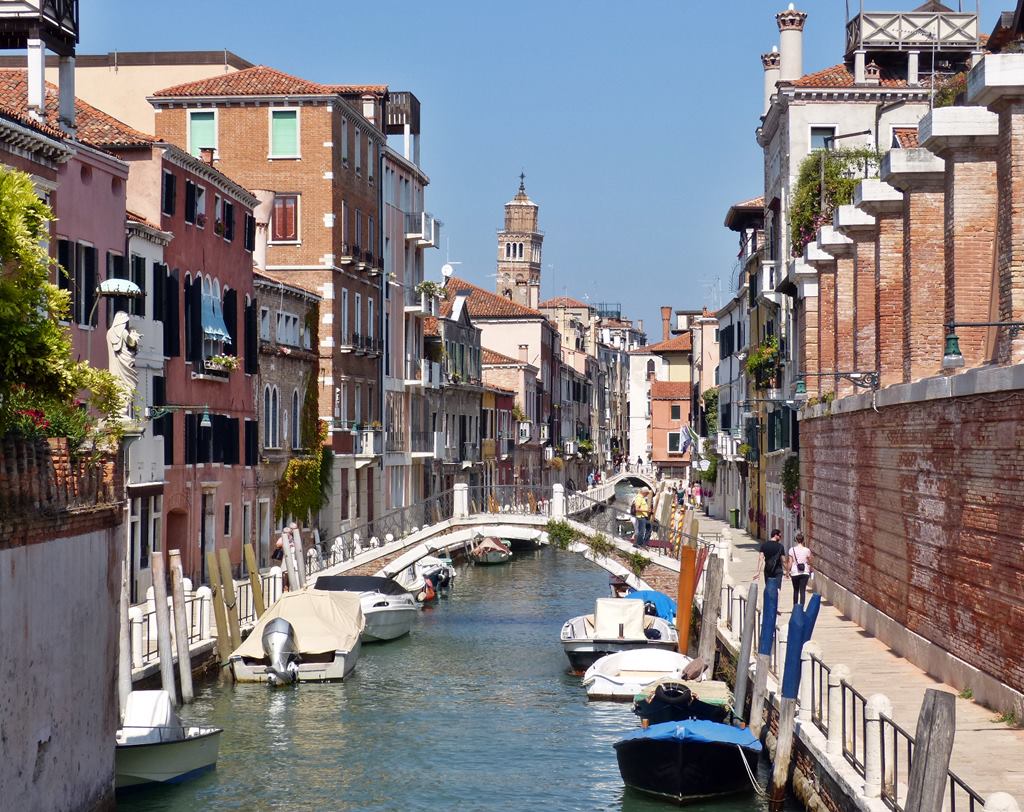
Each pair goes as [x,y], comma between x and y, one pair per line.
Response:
[258,605]
[787,711]
[711,610]
[764,656]
[227,581]
[124,647]
[181,627]
[933,745]
[746,644]
[684,596]
[224,648]
[163,627]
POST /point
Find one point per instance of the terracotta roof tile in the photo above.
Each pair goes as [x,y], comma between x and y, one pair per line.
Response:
[431,326]
[840,76]
[906,137]
[496,358]
[681,343]
[753,203]
[670,390]
[348,90]
[483,303]
[256,81]
[94,127]
[132,217]
[564,301]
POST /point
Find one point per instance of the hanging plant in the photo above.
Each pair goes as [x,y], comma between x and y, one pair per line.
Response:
[430,289]
[763,362]
[518,414]
[710,399]
[586,447]
[791,483]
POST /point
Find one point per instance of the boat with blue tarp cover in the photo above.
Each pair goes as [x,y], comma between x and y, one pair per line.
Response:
[689,761]
[663,605]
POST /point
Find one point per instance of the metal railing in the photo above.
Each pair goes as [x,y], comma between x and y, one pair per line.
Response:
[854,726]
[819,694]
[519,500]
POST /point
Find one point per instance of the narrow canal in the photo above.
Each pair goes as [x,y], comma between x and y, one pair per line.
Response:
[473,711]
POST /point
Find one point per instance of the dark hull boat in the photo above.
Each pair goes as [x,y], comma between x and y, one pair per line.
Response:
[688,761]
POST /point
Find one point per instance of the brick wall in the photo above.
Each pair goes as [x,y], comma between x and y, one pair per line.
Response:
[864,292]
[844,329]
[1010,180]
[889,297]
[915,510]
[826,327]
[923,279]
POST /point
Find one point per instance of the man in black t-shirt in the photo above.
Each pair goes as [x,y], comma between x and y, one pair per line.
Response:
[770,561]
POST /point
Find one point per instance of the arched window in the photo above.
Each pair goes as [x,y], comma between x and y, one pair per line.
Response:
[266,415]
[275,419]
[520,250]
[508,250]
[296,427]
[650,368]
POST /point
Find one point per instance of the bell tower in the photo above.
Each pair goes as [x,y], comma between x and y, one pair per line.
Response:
[519,250]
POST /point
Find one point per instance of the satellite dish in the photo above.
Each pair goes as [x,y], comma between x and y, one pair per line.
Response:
[447,270]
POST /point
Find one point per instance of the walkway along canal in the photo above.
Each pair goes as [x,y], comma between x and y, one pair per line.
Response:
[472,711]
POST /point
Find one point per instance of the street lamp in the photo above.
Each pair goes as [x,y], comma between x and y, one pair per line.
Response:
[155,413]
[862,380]
[952,358]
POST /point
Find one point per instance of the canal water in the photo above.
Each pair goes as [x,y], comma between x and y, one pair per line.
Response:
[474,711]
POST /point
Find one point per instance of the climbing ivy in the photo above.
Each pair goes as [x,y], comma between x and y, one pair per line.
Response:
[711,411]
[844,169]
[305,483]
[311,400]
[791,482]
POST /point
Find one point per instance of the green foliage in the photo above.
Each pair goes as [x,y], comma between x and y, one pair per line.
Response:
[791,482]
[844,169]
[35,349]
[1008,718]
[600,546]
[710,475]
[586,446]
[637,562]
[518,414]
[763,361]
[431,289]
[745,450]
[302,489]
[711,411]
[560,534]
[967,693]
[947,92]
[311,398]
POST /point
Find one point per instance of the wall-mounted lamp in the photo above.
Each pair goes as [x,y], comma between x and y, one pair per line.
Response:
[862,380]
[952,358]
[156,412]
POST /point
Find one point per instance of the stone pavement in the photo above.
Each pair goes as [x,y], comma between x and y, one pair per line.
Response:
[987,754]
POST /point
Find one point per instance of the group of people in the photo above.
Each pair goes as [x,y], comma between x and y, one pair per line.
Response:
[776,563]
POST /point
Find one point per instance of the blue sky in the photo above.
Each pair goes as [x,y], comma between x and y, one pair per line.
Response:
[633,122]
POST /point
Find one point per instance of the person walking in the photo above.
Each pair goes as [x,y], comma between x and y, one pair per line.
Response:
[799,560]
[770,561]
[642,510]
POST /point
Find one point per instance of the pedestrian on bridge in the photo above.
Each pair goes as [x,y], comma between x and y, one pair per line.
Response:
[642,510]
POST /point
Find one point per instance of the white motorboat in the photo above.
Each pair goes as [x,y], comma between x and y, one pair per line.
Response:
[310,635]
[154,747]
[440,572]
[621,676]
[388,609]
[616,625]
[490,551]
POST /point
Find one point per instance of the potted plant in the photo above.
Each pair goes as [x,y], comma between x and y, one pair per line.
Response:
[430,289]
[763,361]
[226,363]
[218,227]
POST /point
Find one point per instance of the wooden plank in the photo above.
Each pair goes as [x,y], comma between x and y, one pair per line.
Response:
[746,644]
[684,597]
[258,605]
[230,597]
[711,611]
[933,746]
[219,614]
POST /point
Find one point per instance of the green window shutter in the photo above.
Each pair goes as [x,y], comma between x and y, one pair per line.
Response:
[284,133]
[202,130]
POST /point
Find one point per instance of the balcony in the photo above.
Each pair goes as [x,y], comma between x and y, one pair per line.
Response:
[395,442]
[422,372]
[470,453]
[420,304]
[423,229]
[727,445]
[368,443]
[348,254]
[428,444]
[916,30]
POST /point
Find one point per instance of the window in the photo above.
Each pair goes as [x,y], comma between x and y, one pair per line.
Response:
[202,131]
[359,229]
[270,417]
[673,442]
[344,222]
[370,243]
[296,428]
[228,219]
[284,133]
[357,415]
[359,151]
[285,219]
[170,192]
[371,159]
[357,327]
[650,368]
[227,519]
[145,527]
[344,140]
[676,411]
[84,288]
[369,317]
[344,317]
[821,137]
[195,204]
[264,324]
[138,305]
[250,232]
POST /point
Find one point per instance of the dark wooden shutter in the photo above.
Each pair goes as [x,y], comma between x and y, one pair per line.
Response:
[188,318]
[190,202]
[229,221]
[218,432]
[116,270]
[252,448]
[172,324]
[89,285]
[191,439]
[168,435]
[205,449]
[170,193]
[231,445]
[195,336]
[251,335]
[159,290]
[250,232]
[66,259]
[231,320]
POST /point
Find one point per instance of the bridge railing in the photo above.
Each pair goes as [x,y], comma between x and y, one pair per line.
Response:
[514,500]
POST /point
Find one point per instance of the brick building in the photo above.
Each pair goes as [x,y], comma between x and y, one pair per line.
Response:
[314,159]
[504,373]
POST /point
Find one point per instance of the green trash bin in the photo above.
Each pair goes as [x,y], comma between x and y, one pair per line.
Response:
[734,517]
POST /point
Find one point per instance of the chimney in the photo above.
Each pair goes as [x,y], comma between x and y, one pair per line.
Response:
[791,43]
[262,216]
[524,353]
[858,66]
[771,62]
[206,155]
[913,71]
[872,74]
[666,323]
[36,78]
[66,96]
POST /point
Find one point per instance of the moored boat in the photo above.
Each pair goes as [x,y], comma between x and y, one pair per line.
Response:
[675,700]
[621,676]
[310,635]
[616,625]
[490,551]
[154,747]
[388,609]
[689,761]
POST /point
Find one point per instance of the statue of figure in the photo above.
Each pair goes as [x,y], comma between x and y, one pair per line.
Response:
[123,345]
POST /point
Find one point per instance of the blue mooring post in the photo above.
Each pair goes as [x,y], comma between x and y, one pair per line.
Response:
[768,613]
[791,671]
[811,616]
